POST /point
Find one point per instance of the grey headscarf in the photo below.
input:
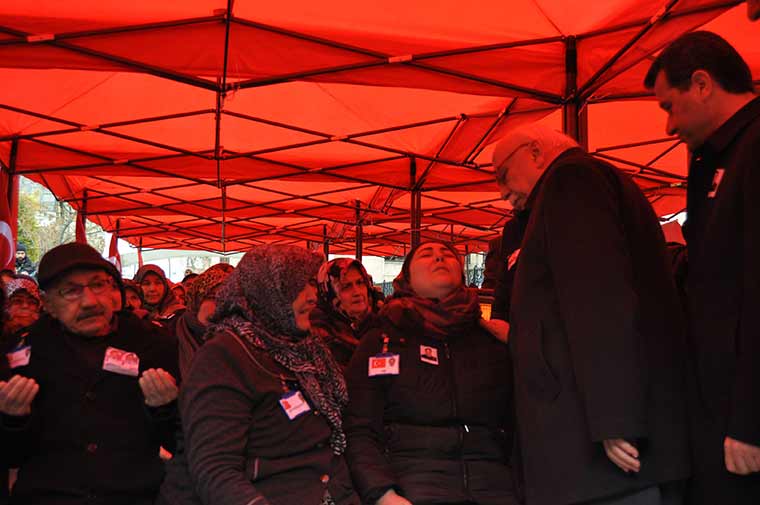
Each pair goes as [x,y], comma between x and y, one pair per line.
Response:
[255,302]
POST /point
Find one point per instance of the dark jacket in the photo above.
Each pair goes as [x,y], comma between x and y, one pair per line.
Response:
[435,433]
[597,337]
[239,445]
[25,266]
[90,437]
[507,256]
[723,290]
[339,333]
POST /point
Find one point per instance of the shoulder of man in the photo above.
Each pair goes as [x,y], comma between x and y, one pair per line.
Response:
[145,334]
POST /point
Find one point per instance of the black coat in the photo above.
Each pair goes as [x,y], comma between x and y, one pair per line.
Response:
[508,254]
[239,445]
[435,433]
[90,438]
[723,291]
[339,333]
[597,337]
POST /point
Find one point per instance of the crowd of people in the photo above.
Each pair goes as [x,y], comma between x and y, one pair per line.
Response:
[290,380]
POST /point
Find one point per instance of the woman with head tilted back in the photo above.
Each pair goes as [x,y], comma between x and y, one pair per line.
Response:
[429,417]
[261,404]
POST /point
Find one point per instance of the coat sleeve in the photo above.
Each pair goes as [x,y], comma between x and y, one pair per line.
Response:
[593,275]
[215,406]
[163,354]
[17,433]
[363,423]
[744,421]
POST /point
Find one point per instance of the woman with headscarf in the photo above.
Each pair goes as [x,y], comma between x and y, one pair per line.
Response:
[23,304]
[201,304]
[346,306]
[261,404]
[159,300]
[429,421]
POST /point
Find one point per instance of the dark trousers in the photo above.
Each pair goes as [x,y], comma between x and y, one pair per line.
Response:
[665,494]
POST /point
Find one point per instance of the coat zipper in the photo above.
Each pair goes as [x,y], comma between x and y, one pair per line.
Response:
[460,429]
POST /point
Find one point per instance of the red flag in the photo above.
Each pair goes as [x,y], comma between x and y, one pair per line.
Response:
[7,243]
[113,252]
[80,234]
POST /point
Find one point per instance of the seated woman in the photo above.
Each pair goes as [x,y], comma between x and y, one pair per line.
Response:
[23,305]
[158,298]
[201,304]
[429,418]
[261,405]
[346,305]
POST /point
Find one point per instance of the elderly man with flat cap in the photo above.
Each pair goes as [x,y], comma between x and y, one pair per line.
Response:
[88,399]
[596,331]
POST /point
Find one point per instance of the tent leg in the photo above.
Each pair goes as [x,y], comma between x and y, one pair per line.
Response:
[416,206]
[574,111]
[359,231]
[13,188]
[325,243]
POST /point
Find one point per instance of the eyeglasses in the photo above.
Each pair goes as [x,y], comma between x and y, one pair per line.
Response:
[501,170]
[72,292]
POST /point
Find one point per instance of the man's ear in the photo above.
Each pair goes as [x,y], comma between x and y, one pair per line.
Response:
[47,303]
[702,83]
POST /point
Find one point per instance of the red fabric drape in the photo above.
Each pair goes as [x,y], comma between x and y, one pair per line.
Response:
[7,222]
[80,234]
[113,252]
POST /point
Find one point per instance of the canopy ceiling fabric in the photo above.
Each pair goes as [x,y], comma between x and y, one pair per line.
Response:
[290,121]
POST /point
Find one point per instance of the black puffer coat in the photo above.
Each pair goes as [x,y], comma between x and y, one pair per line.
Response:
[434,433]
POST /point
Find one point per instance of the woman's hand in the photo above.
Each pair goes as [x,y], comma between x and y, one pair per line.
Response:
[391,498]
[497,328]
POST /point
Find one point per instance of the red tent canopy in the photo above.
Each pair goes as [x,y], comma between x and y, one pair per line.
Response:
[217,125]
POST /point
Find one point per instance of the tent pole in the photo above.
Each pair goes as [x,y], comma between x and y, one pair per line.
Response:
[224,211]
[83,211]
[416,205]
[359,231]
[12,196]
[467,272]
[574,111]
[325,243]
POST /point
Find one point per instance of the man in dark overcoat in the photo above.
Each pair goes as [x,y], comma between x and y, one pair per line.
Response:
[705,87]
[596,331]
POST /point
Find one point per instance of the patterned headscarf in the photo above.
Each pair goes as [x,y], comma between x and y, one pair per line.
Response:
[205,286]
[329,278]
[449,316]
[255,302]
[22,283]
[168,304]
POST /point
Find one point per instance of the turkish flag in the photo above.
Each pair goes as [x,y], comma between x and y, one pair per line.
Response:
[113,252]
[80,234]
[7,220]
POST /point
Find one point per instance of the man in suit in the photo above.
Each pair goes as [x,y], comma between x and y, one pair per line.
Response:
[705,87]
[596,331]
